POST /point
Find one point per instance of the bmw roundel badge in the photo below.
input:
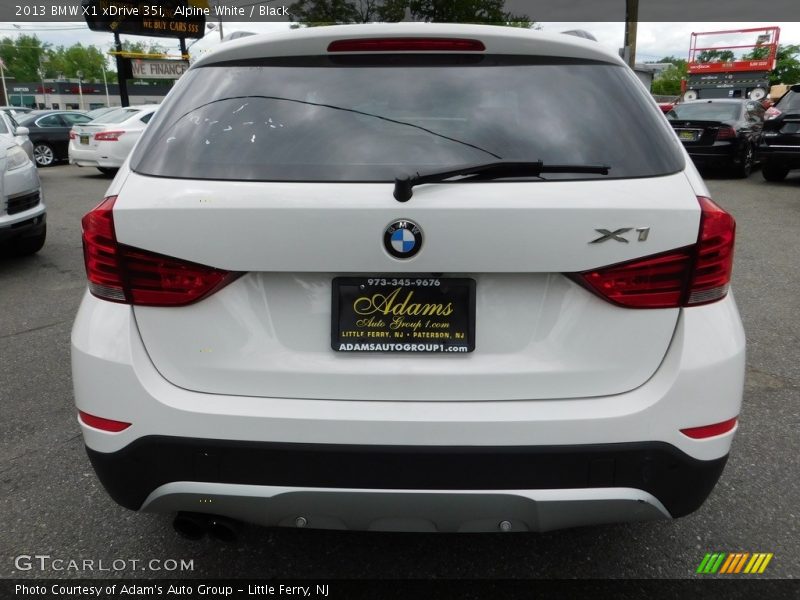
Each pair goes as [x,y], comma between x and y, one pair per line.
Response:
[402,238]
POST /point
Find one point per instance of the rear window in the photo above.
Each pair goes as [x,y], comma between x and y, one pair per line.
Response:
[708,111]
[790,101]
[376,118]
[117,116]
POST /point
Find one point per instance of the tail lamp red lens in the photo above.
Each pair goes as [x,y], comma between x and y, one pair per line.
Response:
[128,275]
[772,113]
[401,44]
[73,135]
[707,431]
[689,276]
[103,424]
[108,136]
[726,133]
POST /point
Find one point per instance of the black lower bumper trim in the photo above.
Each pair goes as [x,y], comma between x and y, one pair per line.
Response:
[679,481]
[23,229]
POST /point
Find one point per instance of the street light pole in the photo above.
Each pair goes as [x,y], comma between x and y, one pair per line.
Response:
[6,99]
[105,81]
[80,89]
[631,25]
[44,90]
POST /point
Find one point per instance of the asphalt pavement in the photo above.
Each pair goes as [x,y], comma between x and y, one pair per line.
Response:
[52,504]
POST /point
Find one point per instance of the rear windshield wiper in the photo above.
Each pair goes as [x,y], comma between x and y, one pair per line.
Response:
[403,186]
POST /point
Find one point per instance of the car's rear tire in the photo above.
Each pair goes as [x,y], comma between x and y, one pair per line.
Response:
[28,245]
[774,172]
[745,167]
[108,171]
[44,155]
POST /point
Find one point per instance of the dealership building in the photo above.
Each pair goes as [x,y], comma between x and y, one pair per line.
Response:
[74,95]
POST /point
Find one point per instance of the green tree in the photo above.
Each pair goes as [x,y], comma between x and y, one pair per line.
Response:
[787,63]
[326,12]
[23,57]
[668,82]
[68,62]
[787,67]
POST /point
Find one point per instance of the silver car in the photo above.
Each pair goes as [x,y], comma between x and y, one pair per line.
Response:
[11,130]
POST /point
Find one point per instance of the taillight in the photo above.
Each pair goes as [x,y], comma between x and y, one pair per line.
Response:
[726,133]
[108,136]
[407,45]
[128,275]
[689,276]
[707,431]
[101,423]
[711,272]
[772,113]
[73,135]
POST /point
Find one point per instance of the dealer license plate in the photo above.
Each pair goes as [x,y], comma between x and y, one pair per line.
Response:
[403,314]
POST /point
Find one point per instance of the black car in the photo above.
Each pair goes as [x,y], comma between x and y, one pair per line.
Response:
[720,133]
[780,146]
[49,133]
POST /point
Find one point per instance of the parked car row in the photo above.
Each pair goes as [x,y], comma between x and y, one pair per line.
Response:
[101,138]
[720,133]
[735,134]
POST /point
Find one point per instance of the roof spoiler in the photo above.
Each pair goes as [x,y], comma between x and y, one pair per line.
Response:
[581,33]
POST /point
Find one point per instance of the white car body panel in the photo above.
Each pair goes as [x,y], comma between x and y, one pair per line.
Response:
[283,233]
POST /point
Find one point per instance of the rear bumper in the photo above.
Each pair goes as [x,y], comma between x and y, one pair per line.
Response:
[93,157]
[357,463]
[131,475]
[723,154]
[788,157]
[26,227]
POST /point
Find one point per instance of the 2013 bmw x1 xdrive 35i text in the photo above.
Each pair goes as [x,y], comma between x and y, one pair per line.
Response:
[418,277]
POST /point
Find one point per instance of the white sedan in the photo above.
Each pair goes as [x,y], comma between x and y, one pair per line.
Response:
[106,142]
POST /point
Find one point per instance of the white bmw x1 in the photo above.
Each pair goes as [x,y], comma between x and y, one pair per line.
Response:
[409,277]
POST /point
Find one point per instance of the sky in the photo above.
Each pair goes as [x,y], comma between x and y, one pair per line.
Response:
[655,40]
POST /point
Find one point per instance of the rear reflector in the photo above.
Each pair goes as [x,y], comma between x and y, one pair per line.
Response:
[120,273]
[407,45]
[101,423]
[707,431]
[688,276]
